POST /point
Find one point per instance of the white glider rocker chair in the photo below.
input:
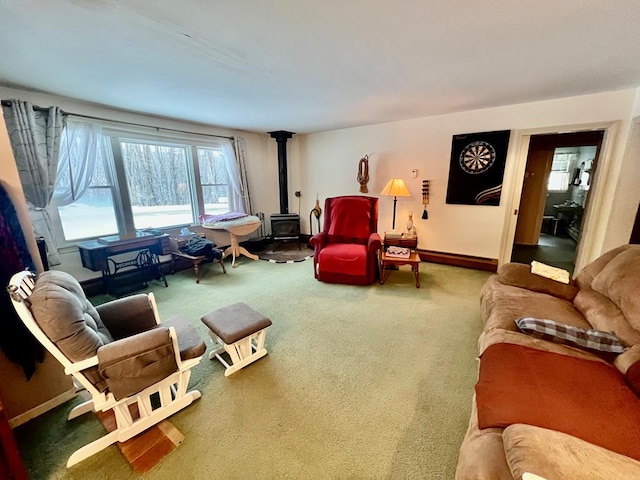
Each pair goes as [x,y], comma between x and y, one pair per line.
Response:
[119,352]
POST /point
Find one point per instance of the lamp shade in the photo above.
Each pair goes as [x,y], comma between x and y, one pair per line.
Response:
[395,188]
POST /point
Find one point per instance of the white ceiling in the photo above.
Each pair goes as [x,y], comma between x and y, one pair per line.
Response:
[313,65]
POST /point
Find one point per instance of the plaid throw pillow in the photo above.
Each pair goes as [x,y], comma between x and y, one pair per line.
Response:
[568,335]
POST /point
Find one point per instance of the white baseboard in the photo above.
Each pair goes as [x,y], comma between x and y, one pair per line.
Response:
[42,408]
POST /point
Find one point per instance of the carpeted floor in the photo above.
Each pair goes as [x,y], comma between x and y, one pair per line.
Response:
[360,382]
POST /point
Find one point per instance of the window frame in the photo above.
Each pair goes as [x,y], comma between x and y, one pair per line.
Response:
[196,165]
[564,171]
[120,189]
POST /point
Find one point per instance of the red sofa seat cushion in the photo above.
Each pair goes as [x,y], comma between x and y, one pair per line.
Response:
[345,258]
[584,398]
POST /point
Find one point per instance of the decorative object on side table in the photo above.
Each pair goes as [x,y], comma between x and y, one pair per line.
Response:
[395,188]
[411,228]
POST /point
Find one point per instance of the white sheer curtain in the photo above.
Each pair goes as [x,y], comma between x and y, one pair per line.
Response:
[238,146]
[80,150]
[237,203]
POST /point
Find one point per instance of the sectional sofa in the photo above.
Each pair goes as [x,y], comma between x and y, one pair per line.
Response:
[558,402]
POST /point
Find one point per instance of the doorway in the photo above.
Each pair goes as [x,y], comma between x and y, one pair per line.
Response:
[555,197]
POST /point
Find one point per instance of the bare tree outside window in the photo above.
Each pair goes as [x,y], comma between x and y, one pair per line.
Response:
[214,180]
[157,177]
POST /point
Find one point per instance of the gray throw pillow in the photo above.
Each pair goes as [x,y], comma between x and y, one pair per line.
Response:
[595,340]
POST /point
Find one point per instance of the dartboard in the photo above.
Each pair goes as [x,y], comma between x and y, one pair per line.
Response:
[477,157]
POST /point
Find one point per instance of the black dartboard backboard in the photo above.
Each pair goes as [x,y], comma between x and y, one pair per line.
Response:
[477,168]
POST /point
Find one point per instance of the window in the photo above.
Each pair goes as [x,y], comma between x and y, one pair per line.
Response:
[559,176]
[216,191]
[78,219]
[142,183]
[158,183]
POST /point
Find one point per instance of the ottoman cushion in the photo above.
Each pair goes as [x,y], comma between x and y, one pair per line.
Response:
[235,322]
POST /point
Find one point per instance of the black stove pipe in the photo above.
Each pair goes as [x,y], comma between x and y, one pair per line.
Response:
[281,137]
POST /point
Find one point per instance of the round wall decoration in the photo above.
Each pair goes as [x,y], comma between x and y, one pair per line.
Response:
[476,168]
[477,157]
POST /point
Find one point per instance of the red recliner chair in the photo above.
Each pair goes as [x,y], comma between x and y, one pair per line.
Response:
[346,251]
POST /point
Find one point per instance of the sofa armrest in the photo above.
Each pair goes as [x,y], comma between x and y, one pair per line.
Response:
[134,363]
[627,358]
[552,454]
[127,316]
[519,275]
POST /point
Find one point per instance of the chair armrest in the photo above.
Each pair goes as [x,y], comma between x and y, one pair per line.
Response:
[319,240]
[552,454]
[374,243]
[134,363]
[127,316]
[519,275]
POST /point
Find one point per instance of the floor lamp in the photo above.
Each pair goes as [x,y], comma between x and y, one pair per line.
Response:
[395,188]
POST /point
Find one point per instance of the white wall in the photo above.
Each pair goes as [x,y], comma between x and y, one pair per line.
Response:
[328,165]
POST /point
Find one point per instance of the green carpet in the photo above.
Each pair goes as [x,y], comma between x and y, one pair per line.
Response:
[360,382]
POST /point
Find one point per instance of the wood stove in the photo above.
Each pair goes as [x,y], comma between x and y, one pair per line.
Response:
[285,227]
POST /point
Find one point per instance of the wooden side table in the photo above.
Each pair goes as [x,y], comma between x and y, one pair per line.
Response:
[386,261]
[196,260]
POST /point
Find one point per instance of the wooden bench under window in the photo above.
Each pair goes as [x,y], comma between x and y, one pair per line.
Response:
[195,260]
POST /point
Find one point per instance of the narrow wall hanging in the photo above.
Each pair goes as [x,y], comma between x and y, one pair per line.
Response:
[363,174]
[477,167]
[425,198]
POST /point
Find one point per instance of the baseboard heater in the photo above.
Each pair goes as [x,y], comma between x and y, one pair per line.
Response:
[458,260]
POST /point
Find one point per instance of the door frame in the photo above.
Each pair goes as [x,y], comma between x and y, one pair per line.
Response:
[514,181]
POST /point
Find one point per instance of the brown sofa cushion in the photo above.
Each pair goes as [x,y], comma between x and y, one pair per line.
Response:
[603,314]
[523,385]
[555,455]
[588,273]
[503,304]
[619,281]
[64,314]
[519,275]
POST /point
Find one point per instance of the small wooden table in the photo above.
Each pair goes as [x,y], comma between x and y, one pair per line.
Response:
[387,260]
[196,260]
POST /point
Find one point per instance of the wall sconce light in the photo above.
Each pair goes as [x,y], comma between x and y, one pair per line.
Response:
[395,188]
[425,198]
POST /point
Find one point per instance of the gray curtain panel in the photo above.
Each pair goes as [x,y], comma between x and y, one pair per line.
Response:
[35,135]
[238,147]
